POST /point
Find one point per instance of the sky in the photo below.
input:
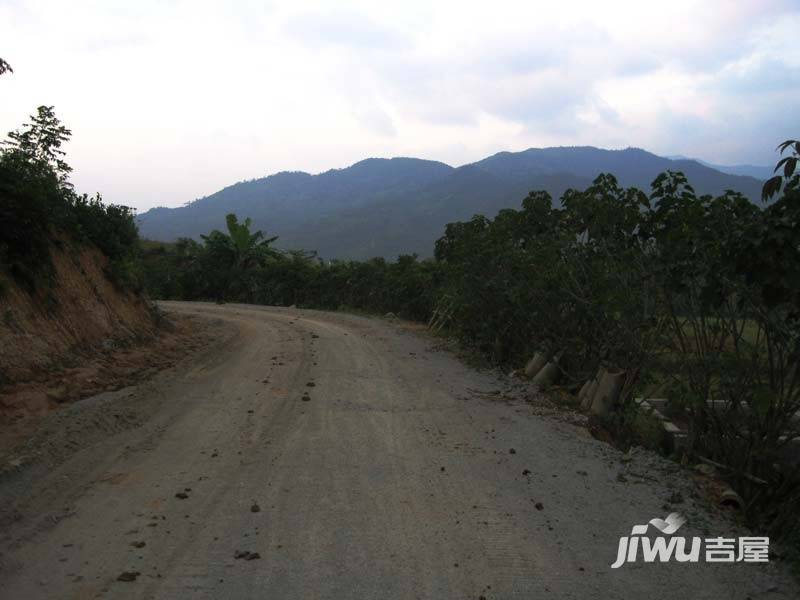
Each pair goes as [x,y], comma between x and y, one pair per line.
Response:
[169,101]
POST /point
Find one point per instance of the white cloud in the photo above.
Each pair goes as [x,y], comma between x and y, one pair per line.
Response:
[171,101]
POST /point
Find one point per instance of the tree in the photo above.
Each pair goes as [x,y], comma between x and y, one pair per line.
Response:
[231,258]
[788,164]
[249,248]
[39,143]
[5,67]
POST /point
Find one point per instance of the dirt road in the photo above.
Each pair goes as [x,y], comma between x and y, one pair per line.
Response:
[338,457]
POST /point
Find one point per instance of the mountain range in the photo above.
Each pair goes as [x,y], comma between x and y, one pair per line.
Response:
[761,172]
[386,207]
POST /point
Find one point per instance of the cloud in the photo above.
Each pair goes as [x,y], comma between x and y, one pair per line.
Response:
[343,28]
[758,76]
[374,118]
[198,94]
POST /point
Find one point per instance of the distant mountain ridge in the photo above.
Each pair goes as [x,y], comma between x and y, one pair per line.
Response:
[761,172]
[386,207]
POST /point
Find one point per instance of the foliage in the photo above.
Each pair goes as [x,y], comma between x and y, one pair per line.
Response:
[39,143]
[733,335]
[253,271]
[38,204]
[700,291]
[387,207]
[787,166]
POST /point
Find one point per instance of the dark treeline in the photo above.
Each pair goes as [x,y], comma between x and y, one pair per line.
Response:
[696,297]
[241,266]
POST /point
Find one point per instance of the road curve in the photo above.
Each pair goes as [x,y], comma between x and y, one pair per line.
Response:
[342,457]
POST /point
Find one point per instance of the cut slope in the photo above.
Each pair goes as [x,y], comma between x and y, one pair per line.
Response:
[82,311]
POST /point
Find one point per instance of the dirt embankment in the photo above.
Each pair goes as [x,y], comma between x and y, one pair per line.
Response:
[79,336]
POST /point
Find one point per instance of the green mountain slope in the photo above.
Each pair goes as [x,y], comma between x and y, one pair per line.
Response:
[386,207]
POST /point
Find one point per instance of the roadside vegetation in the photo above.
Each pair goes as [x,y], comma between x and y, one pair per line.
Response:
[694,298]
[39,208]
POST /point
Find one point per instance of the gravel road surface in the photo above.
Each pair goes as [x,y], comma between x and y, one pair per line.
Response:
[325,456]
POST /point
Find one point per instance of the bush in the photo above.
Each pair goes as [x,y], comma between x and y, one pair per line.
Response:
[37,204]
[700,293]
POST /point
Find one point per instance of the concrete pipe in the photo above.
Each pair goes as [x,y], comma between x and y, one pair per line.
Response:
[536,364]
[608,390]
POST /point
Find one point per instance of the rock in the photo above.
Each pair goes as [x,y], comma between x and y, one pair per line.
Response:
[255,508]
[526,472]
[182,495]
[390,315]
[512,451]
[305,397]
[128,576]
[253,556]
[138,544]
[584,389]
[539,506]
[59,394]
[311,384]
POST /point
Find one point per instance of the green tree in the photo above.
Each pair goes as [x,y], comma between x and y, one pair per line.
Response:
[788,177]
[39,143]
[232,258]
[38,204]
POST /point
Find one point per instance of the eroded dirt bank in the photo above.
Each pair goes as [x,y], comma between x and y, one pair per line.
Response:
[77,312]
[317,455]
[78,335]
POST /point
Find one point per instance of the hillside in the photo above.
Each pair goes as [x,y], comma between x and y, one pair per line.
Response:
[386,207]
[760,172]
[74,318]
[82,309]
